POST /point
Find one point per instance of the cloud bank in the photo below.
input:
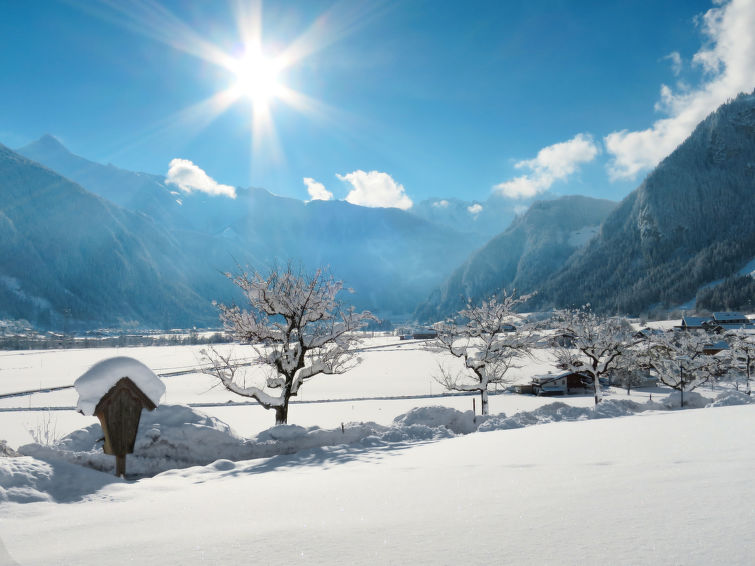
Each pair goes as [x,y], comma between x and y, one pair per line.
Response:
[375,189]
[728,63]
[317,191]
[553,163]
[189,177]
[475,209]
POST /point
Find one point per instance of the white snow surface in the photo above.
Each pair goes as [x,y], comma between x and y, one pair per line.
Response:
[665,487]
[173,437]
[103,375]
[406,481]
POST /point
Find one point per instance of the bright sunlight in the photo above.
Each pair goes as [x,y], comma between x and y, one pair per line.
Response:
[256,78]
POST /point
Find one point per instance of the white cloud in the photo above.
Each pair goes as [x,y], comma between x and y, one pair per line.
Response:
[728,64]
[676,62]
[189,177]
[441,204]
[553,163]
[375,189]
[475,209]
[317,191]
[520,209]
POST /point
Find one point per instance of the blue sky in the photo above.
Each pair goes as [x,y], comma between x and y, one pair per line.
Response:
[393,102]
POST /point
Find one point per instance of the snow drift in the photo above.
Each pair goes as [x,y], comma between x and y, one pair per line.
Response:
[175,436]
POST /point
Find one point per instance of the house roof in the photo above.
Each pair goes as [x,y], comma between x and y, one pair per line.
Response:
[694,321]
[648,332]
[554,376]
[729,317]
[718,346]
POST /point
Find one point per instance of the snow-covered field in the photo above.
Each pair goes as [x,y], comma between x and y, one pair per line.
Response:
[657,487]
[391,371]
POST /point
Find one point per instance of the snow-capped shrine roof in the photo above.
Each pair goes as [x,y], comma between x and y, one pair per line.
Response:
[103,375]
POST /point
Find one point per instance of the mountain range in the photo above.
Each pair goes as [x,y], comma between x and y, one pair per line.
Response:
[68,254]
[84,244]
[390,257]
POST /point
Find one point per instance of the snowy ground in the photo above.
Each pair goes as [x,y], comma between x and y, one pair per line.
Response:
[661,488]
[658,487]
[393,377]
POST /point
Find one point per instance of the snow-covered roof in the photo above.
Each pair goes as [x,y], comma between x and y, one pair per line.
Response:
[720,345]
[694,321]
[552,377]
[102,376]
[729,317]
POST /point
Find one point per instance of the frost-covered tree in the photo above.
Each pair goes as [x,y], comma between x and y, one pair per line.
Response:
[489,338]
[591,344]
[680,361]
[298,329]
[742,355]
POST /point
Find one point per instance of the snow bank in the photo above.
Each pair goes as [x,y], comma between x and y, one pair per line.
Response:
[558,411]
[6,450]
[692,400]
[102,376]
[174,437]
[171,436]
[729,398]
[455,421]
[25,480]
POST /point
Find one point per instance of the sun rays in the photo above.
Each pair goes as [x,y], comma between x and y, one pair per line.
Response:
[250,77]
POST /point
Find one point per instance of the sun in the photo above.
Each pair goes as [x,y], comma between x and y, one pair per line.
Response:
[257,78]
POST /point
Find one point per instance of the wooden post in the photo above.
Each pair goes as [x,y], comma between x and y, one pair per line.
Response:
[119,412]
[120,465]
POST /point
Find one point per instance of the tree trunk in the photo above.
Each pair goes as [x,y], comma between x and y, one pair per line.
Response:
[484,402]
[281,413]
[596,385]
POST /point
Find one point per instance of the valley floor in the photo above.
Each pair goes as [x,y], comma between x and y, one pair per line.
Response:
[663,488]
[658,487]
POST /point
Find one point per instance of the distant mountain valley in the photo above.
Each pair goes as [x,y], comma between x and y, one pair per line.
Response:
[86,245]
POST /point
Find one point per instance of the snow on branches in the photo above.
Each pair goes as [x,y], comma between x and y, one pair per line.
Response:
[590,343]
[680,359]
[742,355]
[486,339]
[298,328]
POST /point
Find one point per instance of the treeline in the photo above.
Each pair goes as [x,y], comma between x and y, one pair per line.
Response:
[36,341]
[736,293]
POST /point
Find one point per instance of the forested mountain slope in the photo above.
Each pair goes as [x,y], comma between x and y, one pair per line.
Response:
[534,247]
[691,222]
[69,256]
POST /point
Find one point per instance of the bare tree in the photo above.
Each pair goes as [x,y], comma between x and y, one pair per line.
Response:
[486,339]
[742,354]
[298,330]
[680,361]
[590,343]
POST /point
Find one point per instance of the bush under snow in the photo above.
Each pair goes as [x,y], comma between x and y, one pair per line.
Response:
[175,436]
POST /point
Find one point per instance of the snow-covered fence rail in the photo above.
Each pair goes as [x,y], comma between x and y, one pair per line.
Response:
[293,401]
[241,362]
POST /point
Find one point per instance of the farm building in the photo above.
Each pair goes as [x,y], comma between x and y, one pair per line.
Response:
[566,383]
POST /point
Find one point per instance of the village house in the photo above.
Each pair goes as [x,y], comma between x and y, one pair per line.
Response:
[566,383]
